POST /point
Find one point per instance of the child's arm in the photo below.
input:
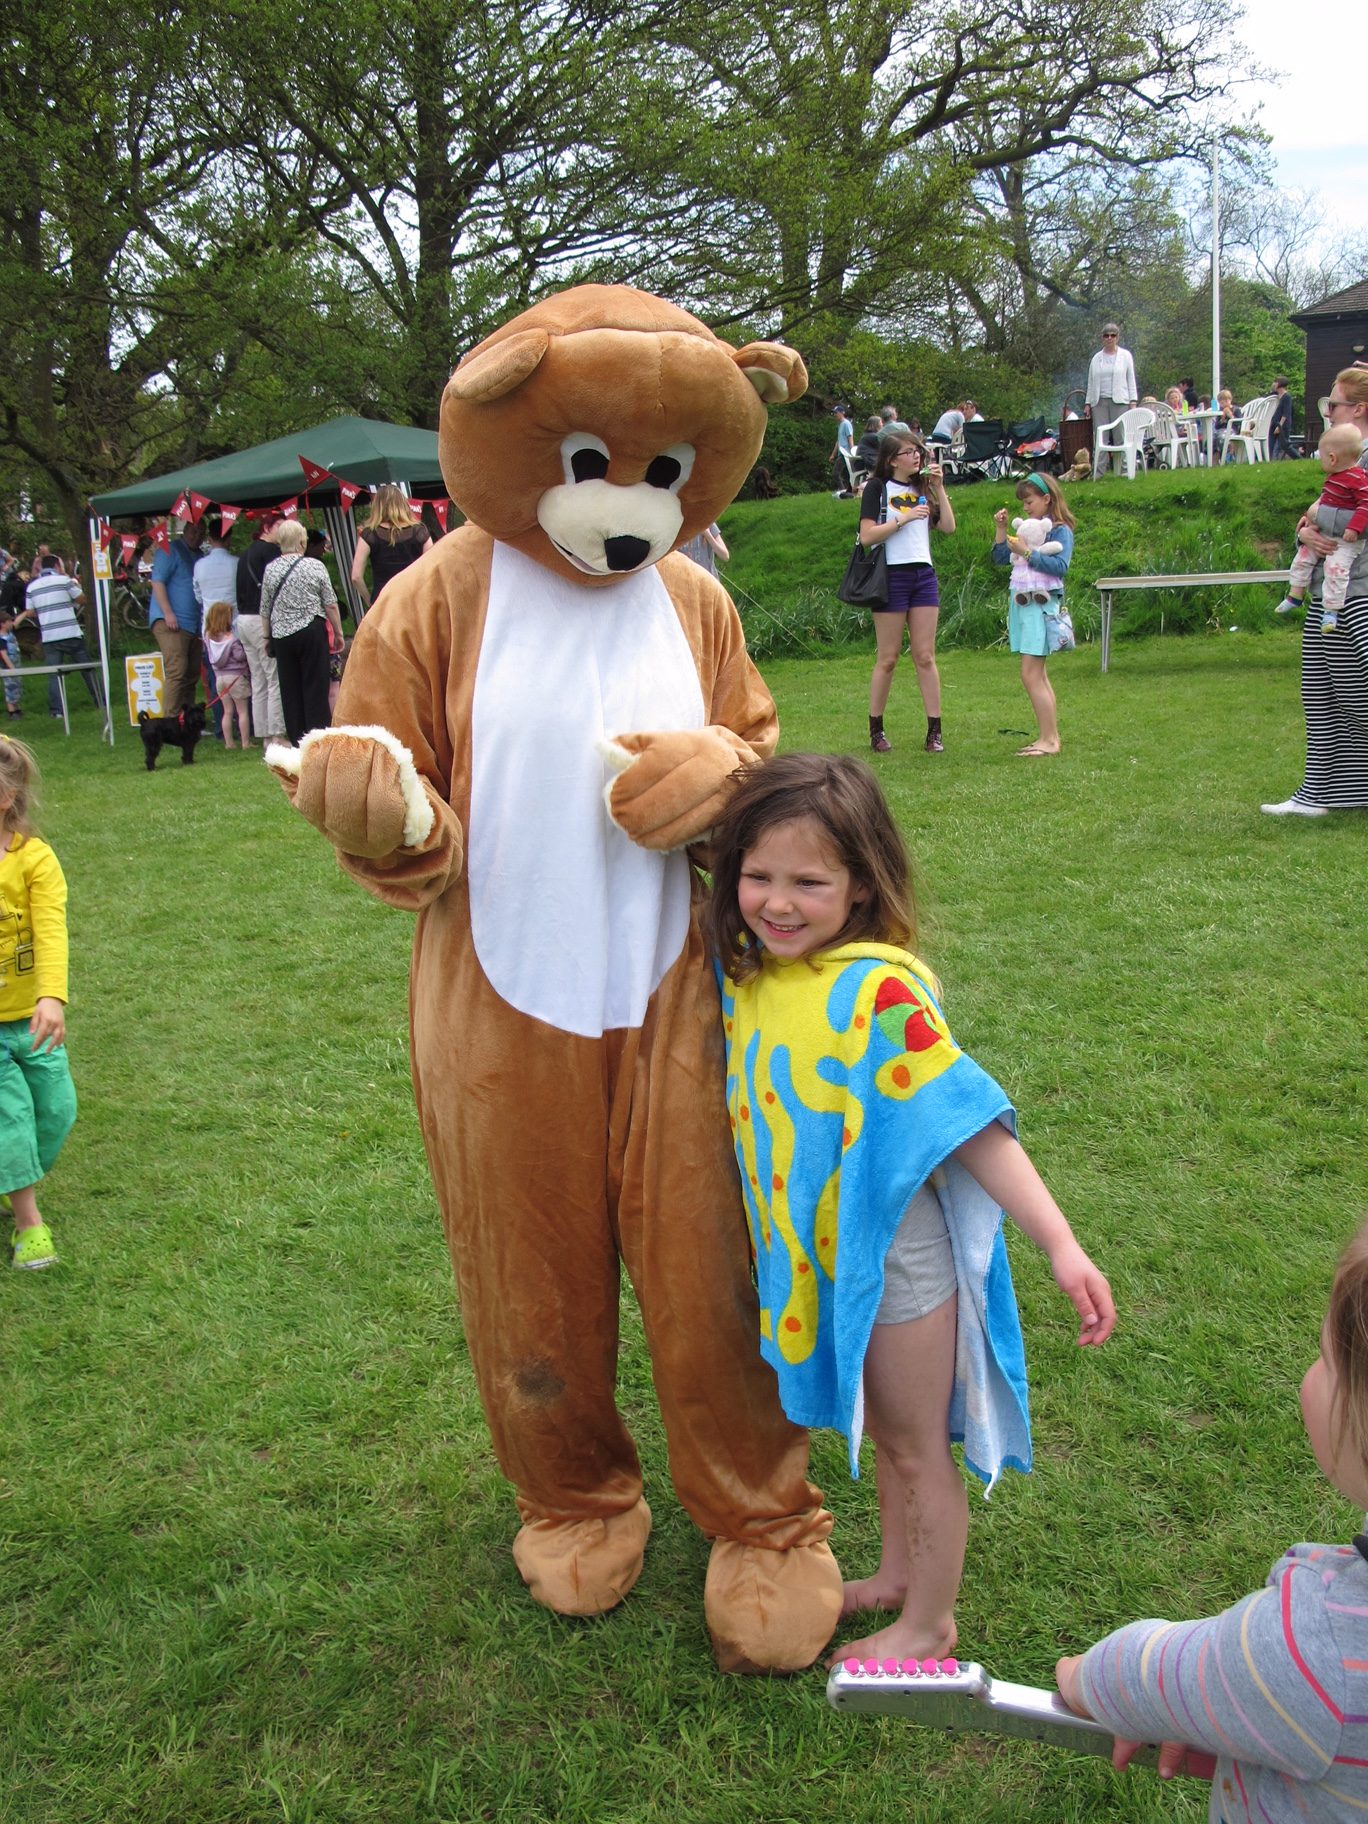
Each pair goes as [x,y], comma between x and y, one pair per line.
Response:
[1000,1164]
[1056,564]
[1250,1684]
[47,894]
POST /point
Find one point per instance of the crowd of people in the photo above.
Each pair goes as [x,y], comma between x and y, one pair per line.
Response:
[261,627]
[1112,389]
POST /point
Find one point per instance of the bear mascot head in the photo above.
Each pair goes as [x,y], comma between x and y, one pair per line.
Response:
[603,427]
[537,716]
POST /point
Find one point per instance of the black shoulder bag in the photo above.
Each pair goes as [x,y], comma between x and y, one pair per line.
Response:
[865,583]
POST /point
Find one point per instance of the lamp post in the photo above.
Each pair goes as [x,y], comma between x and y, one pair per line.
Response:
[1215,273]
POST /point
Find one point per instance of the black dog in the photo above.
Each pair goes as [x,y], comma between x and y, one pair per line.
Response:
[181,731]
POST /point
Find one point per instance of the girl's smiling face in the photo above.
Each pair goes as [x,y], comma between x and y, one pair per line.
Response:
[792,895]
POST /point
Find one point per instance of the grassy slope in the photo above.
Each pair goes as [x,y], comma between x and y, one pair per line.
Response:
[255,1549]
[1235,518]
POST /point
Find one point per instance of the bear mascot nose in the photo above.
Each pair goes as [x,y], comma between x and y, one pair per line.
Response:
[625,553]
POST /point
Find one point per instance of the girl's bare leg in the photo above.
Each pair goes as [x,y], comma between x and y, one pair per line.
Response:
[921,629]
[888,637]
[1041,692]
[909,1372]
[887,1588]
[25,1207]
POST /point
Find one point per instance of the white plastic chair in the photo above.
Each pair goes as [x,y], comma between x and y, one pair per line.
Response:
[1323,407]
[1252,436]
[1132,425]
[1171,443]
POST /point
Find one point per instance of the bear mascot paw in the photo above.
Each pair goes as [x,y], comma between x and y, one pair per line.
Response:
[537,717]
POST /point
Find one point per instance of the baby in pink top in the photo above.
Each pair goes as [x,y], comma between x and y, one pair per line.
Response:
[1346,485]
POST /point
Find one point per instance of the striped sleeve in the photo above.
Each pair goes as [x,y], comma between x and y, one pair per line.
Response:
[1262,1683]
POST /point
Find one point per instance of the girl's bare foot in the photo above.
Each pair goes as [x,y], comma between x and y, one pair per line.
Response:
[903,1640]
[876,1592]
[1036,751]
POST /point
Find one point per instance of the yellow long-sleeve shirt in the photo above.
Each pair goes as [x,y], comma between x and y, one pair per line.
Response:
[33,933]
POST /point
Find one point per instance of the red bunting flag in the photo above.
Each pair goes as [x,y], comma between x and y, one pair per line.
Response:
[128,544]
[290,508]
[312,473]
[106,537]
[415,507]
[198,502]
[181,510]
[349,491]
[229,516]
[161,538]
[440,508]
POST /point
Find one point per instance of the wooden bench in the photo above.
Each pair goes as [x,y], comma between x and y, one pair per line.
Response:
[1106,587]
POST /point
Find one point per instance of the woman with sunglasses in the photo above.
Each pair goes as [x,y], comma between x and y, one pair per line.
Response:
[1111,384]
[1334,663]
[902,501]
[1036,588]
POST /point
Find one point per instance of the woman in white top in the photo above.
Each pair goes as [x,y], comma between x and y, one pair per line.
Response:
[903,499]
[298,604]
[1111,383]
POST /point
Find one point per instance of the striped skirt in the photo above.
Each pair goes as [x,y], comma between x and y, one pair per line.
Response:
[1334,689]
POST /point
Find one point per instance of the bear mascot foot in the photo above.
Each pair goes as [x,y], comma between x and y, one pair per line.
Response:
[584,1567]
[771,1611]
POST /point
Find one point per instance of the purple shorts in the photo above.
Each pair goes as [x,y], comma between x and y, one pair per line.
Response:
[910,586]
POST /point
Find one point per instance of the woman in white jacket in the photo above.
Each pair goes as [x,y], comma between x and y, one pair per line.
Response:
[1111,382]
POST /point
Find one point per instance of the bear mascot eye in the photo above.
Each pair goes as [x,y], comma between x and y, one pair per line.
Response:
[583,457]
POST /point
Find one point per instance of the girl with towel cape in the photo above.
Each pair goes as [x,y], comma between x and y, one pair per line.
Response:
[877,1162]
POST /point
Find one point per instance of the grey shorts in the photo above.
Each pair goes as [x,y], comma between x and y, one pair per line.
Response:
[919,1268]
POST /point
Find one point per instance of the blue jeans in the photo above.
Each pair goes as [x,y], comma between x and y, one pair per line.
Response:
[68,652]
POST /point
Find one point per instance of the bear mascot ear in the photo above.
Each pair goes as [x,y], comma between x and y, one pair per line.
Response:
[776,372]
[502,368]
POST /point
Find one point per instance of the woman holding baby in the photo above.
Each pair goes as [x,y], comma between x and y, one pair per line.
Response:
[1334,660]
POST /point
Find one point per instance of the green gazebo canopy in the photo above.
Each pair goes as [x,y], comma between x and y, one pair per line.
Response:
[360,450]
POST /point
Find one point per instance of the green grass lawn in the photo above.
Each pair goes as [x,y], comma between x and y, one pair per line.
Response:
[788,555]
[255,1547]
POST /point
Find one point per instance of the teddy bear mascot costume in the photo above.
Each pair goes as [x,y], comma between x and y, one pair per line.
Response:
[536,718]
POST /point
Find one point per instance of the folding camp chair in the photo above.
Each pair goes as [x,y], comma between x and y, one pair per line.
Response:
[987,451]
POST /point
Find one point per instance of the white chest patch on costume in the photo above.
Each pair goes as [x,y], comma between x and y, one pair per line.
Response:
[572,923]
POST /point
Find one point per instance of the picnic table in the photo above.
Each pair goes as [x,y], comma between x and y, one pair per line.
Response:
[1107,587]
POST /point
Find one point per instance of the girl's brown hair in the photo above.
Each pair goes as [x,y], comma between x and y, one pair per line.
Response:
[842,797]
[1347,1333]
[390,512]
[218,619]
[1047,485]
[19,780]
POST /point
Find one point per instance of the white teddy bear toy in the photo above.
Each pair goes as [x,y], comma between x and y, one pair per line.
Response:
[1036,534]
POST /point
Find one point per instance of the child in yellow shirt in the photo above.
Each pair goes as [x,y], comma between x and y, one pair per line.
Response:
[37,1096]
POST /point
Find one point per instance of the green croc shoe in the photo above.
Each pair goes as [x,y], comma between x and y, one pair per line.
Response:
[33,1247]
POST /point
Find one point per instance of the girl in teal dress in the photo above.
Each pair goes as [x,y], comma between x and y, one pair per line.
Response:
[1033,596]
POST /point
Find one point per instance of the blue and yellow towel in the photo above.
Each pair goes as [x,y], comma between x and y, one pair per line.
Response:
[837,1124]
